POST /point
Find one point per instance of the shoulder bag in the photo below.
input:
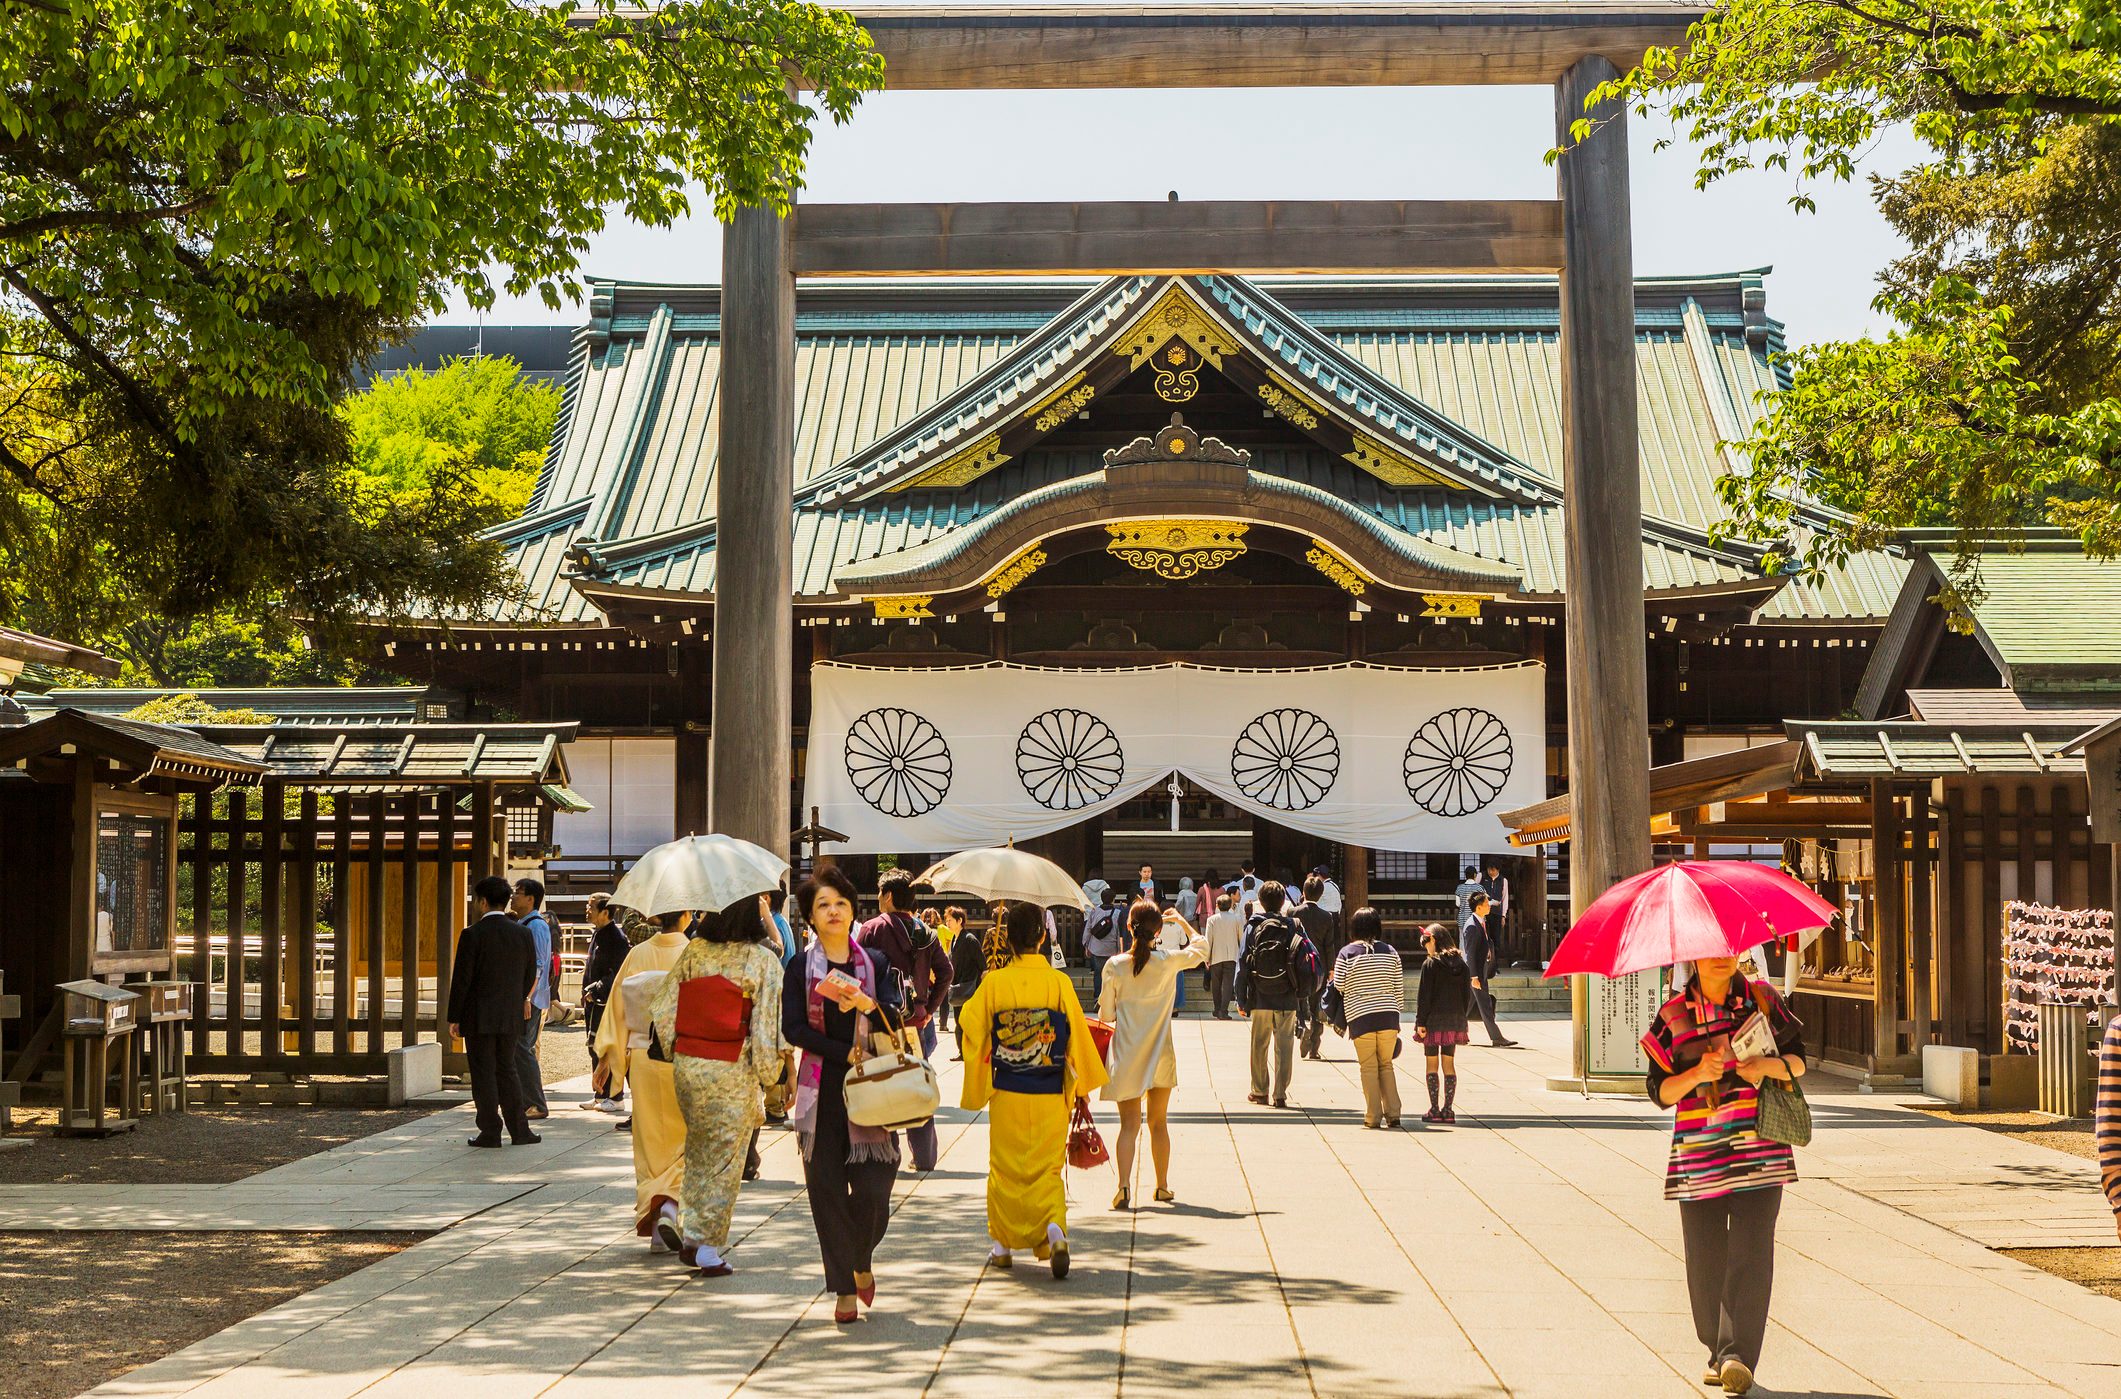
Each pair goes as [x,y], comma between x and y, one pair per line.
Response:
[1785,1114]
[893,1089]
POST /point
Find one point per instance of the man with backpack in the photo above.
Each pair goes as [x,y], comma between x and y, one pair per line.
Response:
[1276,977]
[1323,929]
[912,949]
[1101,939]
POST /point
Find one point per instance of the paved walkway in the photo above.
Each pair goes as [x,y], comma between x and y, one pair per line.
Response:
[1525,1252]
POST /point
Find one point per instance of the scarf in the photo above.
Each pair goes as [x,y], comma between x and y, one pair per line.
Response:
[1688,1021]
[863,1143]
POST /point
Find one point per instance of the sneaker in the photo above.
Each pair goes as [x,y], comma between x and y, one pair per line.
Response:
[1433,1115]
[1448,1117]
[610,1107]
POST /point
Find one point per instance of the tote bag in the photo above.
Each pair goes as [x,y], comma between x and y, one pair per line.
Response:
[893,1089]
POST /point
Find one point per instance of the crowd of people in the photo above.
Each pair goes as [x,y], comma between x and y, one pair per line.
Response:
[713,1023]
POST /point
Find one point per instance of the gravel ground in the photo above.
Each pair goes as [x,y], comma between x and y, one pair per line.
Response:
[80,1308]
[2096,1268]
[563,1052]
[201,1146]
[2070,1134]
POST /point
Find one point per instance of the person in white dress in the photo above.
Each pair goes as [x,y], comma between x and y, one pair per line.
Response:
[1140,990]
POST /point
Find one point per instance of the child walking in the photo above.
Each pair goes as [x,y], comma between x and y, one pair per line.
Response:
[1440,1015]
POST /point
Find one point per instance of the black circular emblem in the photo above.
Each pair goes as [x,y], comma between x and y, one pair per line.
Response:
[1286,758]
[1068,760]
[898,762]
[1458,761]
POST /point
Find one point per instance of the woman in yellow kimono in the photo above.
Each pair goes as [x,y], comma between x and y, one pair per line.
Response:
[622,1052]
[1028,1057]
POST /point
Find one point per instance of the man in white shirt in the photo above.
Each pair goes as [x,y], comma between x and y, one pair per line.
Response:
[1225,930]
[1330,899]
[1247,891]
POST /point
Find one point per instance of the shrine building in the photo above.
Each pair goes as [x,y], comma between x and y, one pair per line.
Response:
[1202,569]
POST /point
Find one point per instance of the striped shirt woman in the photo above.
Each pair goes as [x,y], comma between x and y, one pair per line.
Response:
[1373,988]
[2107,1114]
[1726,1177]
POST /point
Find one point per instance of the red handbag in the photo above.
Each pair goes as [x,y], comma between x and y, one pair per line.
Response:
[1086,1148]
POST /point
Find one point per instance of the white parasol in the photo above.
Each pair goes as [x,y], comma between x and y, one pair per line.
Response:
[1005,874]
[702,873]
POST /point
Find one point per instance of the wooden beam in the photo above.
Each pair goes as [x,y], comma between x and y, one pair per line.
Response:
[1167,236]
[1208,45]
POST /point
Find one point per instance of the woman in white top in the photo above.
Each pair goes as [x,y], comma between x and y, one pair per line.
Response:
[1141,986]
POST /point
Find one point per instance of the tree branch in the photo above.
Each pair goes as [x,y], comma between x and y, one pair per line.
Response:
[87,218]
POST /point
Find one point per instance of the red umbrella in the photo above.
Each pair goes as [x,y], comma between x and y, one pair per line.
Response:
[1684,912]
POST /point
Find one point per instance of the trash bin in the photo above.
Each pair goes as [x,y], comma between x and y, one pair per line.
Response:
[2066,1056]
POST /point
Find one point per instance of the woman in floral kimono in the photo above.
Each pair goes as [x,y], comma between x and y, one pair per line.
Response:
[1028,1057]
[719,1011]
[622,1053]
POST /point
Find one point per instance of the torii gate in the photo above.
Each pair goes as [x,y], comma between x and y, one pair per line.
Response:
[1572,45]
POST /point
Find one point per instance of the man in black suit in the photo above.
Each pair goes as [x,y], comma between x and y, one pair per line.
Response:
[490,986]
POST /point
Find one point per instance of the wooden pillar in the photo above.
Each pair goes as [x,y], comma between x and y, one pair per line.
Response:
[1609,724]
[1355,863]
[1888,926]
[272,1009]
[1922,920]
[754,619]
[484,860]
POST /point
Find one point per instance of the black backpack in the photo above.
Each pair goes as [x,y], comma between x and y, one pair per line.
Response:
[1273,957]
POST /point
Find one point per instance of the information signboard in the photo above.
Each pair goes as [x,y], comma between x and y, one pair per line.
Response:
[1620,1011]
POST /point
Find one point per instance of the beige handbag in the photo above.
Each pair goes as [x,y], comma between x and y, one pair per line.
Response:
[892,1088]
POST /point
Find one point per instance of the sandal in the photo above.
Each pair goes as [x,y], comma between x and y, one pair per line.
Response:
[1165,1195]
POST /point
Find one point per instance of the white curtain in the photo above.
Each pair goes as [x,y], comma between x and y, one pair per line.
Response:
[947,759]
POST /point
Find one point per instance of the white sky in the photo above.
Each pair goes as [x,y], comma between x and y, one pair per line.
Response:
[1336,143]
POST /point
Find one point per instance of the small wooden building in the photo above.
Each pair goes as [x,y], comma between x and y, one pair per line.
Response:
[89,850]
[306,878]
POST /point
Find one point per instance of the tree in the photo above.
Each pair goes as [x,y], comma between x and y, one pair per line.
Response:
[190,709]
[212,214]
[476,422]
[1995,401]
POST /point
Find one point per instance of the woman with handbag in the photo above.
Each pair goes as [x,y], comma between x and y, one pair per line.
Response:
[719,1011]
[1727,1168]
[1028,1058]
[1140,990]
[832,992]
[622,1044]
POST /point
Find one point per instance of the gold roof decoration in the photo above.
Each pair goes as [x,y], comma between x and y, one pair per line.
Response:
[1176,549]
[1323,557]
[1177,442]
[1176,315]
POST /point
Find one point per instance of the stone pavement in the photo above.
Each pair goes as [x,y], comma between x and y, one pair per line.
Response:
[1526,1251]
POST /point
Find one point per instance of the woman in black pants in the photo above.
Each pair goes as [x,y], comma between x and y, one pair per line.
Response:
[1726,1177]
[849,1168]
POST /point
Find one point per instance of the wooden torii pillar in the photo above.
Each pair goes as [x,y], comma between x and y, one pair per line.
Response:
[750,761]
[1609,724]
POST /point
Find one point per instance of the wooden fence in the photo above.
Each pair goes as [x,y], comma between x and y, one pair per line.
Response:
[321,923]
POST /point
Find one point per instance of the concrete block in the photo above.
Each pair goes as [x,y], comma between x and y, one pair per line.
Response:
[1952,1073]
[415,1071]
[2013,1082]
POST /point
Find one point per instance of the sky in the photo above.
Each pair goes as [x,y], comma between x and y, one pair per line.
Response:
[1320,143]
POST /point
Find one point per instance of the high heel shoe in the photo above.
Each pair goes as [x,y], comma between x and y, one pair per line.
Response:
[866,1291]
[852,1314]
[1119,1201]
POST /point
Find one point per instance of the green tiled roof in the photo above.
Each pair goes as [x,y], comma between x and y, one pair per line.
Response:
[2051,615]
[1469,366]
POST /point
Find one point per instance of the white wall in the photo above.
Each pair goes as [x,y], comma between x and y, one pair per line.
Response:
[632,783]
